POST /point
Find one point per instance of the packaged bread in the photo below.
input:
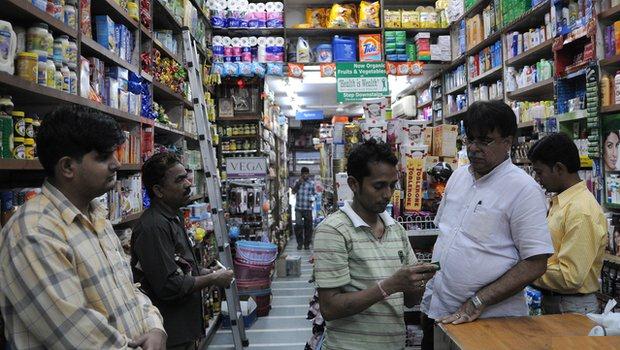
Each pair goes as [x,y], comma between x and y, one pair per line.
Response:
[369,15]
[392,18]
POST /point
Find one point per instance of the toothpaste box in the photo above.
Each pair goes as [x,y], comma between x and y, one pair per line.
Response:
[370,49]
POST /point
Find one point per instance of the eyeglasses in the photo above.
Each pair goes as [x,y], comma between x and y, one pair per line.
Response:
[478,143]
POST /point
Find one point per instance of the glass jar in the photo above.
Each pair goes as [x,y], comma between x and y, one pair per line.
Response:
[73,82]
[58,51]
[19,149]
[64,41]
[6,104]
[58,79]
[36,38]
[29,148]
[50,67]
[71,14]
[27,66]
[49,43]
[42,70]
[28,130]
[66,76]
[72,51]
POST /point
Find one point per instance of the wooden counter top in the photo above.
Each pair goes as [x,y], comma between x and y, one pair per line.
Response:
[569,331]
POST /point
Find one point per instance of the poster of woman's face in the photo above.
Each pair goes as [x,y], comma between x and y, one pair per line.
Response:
[610,150]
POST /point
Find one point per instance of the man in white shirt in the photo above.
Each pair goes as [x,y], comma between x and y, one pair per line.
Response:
[494,238]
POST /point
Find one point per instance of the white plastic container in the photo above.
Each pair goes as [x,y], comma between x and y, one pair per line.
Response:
[8,45]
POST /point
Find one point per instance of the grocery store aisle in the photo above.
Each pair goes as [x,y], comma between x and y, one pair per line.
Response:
[286,327]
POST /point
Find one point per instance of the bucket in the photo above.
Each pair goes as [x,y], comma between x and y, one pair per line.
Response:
[344,49]
[248,272]
[323,53]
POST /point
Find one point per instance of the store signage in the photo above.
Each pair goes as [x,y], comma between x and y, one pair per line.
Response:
[356,81]
[415,171]
[245,167]
[309,115]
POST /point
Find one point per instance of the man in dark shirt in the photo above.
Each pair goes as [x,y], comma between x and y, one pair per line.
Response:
[162,258]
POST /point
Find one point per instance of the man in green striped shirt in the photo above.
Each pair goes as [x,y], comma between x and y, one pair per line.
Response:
[365,269]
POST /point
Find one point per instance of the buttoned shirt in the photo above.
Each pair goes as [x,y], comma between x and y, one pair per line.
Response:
[348,256]
[65,282]
[305,195]
[158,239]
[579,234]
[486,227]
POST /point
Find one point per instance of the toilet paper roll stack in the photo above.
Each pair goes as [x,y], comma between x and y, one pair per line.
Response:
[248,49]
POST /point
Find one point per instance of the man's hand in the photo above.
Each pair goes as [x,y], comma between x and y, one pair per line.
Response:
[223,278]
[155,339]
[466,313]
[204,272]
[409,278]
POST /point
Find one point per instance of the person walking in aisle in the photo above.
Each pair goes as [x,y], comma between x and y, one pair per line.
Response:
[162,257]
[65,282]
[365,269]
[494,239]
[304,191]
[578,229]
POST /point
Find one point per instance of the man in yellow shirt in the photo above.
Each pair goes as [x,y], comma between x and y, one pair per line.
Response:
[578,229]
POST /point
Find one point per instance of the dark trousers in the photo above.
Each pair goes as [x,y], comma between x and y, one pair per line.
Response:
[428,325]
[303,227]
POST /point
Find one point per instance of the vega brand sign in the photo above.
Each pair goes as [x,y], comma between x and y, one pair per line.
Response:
[356,81]
[245,167]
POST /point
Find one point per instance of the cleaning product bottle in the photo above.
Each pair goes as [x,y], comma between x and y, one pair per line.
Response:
[303,51]
[605,91]
[617,88]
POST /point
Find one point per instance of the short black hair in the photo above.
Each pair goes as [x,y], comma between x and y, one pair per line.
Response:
[305,170]
[486,116]
[72,131]
[368,152]
[154,169]
[556,148]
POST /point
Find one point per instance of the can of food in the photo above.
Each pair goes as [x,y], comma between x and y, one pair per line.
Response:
[19,123]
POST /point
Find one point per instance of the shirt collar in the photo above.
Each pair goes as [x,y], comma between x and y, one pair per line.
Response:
[498,169]
[164,210]
[358,221]
[68,211]
[567,195]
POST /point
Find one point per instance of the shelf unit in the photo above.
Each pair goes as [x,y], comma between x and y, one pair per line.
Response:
[542,90]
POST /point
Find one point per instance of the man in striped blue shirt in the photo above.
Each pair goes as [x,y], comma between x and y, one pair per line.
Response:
[304,191]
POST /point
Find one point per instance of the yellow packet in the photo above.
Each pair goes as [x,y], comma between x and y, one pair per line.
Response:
[410,19]
[313,17]
[339,17]
[392,18]
[369,15]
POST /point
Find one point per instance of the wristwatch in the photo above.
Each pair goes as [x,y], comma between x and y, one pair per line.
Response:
[477,302]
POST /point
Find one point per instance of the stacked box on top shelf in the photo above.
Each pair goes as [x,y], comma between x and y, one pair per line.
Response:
[115,37]
[513,9]
[396,46]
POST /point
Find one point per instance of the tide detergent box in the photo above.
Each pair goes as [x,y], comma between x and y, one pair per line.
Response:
[370,47]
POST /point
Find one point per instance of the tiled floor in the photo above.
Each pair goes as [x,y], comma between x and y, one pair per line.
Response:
[286,327]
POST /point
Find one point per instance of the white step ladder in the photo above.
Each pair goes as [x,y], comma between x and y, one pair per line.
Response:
[213,185]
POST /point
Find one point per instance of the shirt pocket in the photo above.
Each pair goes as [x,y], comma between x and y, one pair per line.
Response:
[481,223]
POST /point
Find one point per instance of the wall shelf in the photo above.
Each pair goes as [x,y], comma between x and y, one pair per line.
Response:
[163,93]
[532,55]
[25,11]
[92,48]
[542,90]
[456,89]
[112,9]
[611,109]
[166,51]
[484,43]
[494,73]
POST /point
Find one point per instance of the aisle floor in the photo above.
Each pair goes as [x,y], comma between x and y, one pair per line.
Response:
[286,327]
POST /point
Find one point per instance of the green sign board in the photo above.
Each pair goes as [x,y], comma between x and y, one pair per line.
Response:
[356,81]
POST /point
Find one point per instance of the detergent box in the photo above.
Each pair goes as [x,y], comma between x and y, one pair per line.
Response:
[370,48]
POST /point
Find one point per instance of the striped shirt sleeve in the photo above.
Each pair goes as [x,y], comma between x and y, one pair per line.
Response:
[331,258]
[54,312]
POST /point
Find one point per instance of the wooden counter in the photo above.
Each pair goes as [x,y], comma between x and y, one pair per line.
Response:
[569,331]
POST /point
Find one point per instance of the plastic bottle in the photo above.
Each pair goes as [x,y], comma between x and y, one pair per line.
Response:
[605,91]
[42,70]
[36,38]
[49,43]
[51,70]
[58,79]
[66,77]
[73,82]
[303,50]
[70,14]
[617,88]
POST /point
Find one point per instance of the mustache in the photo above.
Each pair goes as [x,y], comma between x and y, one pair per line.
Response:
[188,191]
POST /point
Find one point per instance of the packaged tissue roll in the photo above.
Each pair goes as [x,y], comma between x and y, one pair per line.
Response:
[275,14]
